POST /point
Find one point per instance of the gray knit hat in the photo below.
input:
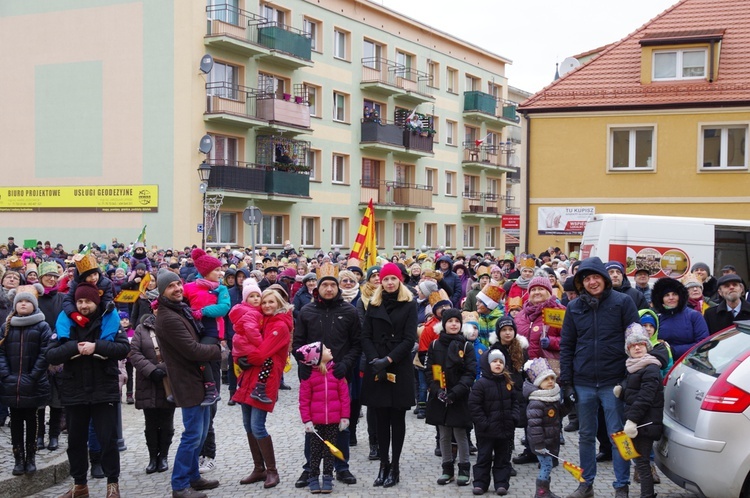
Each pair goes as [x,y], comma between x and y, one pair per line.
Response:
[164,278]
[27,293]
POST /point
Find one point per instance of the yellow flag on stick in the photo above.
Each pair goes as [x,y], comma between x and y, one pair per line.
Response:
[625,446]
[365,247]
[574,470]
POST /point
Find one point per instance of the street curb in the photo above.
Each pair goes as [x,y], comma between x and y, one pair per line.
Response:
[43,478]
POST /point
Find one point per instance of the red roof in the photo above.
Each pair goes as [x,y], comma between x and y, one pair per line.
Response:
[613,79]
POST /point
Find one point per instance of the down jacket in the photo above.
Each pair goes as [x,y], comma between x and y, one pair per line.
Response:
[643,395]
[23,366]
[543,414]
[324,399]
[148,394]
[456,357]
[681,327]
[246,322]
[494,404]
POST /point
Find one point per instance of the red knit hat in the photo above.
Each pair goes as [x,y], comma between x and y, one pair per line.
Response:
[391,269]
[203,262]
[88,291]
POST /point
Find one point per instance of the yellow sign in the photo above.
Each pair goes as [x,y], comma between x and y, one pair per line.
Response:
[131,296]
[98,198]
[624,445]
[574,470]
[553,317]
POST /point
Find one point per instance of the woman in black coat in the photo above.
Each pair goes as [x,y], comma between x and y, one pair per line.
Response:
[388,336]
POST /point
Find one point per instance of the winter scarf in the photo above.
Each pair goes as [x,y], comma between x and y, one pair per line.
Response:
[546,395]
[696,304]
[207,284]
[635,364]
[534,311]
[523,282]
[349,294]
[390,301]
[182,309]
[27,320]
[152,294]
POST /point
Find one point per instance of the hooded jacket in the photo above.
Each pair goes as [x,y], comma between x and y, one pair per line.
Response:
[681,327]
[451,281]
[23,366]
[638,297]
[543,413]
[494,404]
[592,343]
[455,356]
[660,348]
[324,399]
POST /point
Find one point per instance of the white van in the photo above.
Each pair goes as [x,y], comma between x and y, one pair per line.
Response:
[666,245]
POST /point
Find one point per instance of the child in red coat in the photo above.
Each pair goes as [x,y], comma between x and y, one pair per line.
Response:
[324,406]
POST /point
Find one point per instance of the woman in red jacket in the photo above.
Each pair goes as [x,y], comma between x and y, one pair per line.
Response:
[277,334]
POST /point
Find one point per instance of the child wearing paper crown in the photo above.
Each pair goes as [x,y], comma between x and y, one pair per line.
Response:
[87,271]
[324,406]
[494,407]
[543,413]
[209,301]
[643,396]
[247,319]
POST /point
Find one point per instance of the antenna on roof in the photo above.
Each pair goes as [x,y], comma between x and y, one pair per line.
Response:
[568,65]
[557,71]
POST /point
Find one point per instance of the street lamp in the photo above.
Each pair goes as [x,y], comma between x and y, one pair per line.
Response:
[204,173]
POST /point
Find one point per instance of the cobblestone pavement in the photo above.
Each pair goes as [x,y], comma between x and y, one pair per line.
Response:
[419,467]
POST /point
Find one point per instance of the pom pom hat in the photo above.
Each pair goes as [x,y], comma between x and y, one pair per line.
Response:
[249,285]
[28,293]
[635,334]
[203,262]
[537,370]
[310,354]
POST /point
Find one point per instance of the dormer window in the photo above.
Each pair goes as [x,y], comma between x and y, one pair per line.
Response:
[679,64]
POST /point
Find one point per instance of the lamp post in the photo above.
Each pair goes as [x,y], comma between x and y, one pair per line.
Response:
[204,173]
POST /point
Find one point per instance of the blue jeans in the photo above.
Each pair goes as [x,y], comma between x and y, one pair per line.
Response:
[589,399]
[195,420]
[342,443]
[254,420]
[422,386]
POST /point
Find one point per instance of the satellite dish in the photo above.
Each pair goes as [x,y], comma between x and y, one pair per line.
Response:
[568,65]
[207,63]
[207,143]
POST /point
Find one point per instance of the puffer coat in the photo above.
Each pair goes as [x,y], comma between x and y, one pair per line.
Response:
[643,395]
[148,394]
[494,404]
[324,399]
[681,327]
[457,359]
[543,414]
[23,366]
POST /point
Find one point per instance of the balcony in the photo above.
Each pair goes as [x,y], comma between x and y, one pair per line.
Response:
[258,180]
[515,176]
[395,195]
[234,30]
[390,78]
[416,85]
[480,106]
[418,143]
[232,104]
[383,136]
[289,47]
[490,157]
[481,204]
[290,113]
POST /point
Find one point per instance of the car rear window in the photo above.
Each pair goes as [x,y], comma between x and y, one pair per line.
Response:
[713,356]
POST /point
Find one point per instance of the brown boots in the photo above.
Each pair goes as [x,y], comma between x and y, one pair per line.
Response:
[259,471]
[77,491]
[269,458]
[113,490]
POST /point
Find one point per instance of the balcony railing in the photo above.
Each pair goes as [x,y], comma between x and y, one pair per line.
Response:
[246,177]
[492,155]
[480,203]
[413,81]
[396,194]
[379,70]
[233,22]
[226,98]
[414,140]
[378,131]
[490,106]
[285,39]
[288,109]
[409,83]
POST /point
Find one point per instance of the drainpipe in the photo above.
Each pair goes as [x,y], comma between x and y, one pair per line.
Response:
[528,190]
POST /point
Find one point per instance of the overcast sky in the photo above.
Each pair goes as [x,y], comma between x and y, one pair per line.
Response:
[534,34]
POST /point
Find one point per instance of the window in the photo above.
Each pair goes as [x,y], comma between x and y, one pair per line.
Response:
[404,61]
[402,234]
[340,44]
[274,15]
[433,69]
[436,127]
[450,236]
[494,90]
[631,148]
[224,10]
[450,132]
[724,146]
[473,83]
[492,184]
[311,94]
[471,183]
[339,231]
[493,237]
[430,234]
[223,80]
[339,168]
[224,151]
[371,173]
[310,230]
[313,161]
[311,28]
[271,84]
[430,177]
[373,107]
[340,108]
[404,173]
[471,134]
[272,230]
[225,230]
[451,80]
[471,233]
[679,64]
[450,183]
[372,54]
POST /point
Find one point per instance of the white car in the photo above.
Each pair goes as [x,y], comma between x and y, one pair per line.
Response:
[706,444]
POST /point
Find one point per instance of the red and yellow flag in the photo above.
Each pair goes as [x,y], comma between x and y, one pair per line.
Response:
[365,247]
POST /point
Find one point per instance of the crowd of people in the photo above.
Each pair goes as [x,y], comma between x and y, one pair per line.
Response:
[477,345]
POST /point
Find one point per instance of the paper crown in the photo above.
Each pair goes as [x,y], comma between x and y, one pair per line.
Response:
[528,263]
[29,289]
[270,265]
[491,295]
[14,263]
[327,270]
[353,262]
[482,270]
[84,263]
[31,268]
[515,303]
[537,370]
[48,268]
[691,280]
[433,274]
[436,297]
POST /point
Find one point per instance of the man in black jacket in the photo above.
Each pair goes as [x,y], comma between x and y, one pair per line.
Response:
[732,307]
[334,322]
[621,284]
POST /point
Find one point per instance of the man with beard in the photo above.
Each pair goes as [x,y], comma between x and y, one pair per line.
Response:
[732,307]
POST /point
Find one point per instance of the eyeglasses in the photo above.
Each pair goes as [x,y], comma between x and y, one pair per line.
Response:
[347,281]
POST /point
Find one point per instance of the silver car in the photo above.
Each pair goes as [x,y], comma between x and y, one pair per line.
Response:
[706,444]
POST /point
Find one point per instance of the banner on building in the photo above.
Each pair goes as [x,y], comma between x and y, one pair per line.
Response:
[570,220]
[97,198]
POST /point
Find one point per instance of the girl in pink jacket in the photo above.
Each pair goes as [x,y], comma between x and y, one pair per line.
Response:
[324,406]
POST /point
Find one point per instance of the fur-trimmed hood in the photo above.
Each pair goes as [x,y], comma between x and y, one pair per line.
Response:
[661,288]
[521,339]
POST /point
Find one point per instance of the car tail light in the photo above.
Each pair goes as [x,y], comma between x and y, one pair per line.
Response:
[726,397]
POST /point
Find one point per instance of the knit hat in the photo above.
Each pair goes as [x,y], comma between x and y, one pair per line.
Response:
[391,269]
[491,296]
[614,265]
[701,266]
[28,293]
[648,318]
[309,354]
[204,263]
[452,313]
[635,334]
[427,287]
[249,285]
[288,273]
[537,370]
[372,271]
[124,315]
[141,266]
[540,282]
[310,276]
[31,268]
[569,285]
[690,280]
[48,268]
[506,321]
[164,278]
[88,291]
[495,354]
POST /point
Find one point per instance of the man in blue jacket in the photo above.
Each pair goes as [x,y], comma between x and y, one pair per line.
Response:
[592,362]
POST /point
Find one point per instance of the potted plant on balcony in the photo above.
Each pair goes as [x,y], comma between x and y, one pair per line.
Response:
[287,97]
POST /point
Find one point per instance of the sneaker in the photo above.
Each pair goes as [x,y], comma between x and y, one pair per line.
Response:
[584,490]
[208,465]
[129,399]
[327,486]
[619,492]
[304,480]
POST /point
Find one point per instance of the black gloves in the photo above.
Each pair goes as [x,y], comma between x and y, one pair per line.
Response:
[242,362]
[339,371]
[157,375]
[379,364]
[569,395]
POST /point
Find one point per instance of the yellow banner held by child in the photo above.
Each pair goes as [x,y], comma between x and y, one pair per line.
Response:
[553,317]
[131,296]
[574,470]
[625,446]
[437,373]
